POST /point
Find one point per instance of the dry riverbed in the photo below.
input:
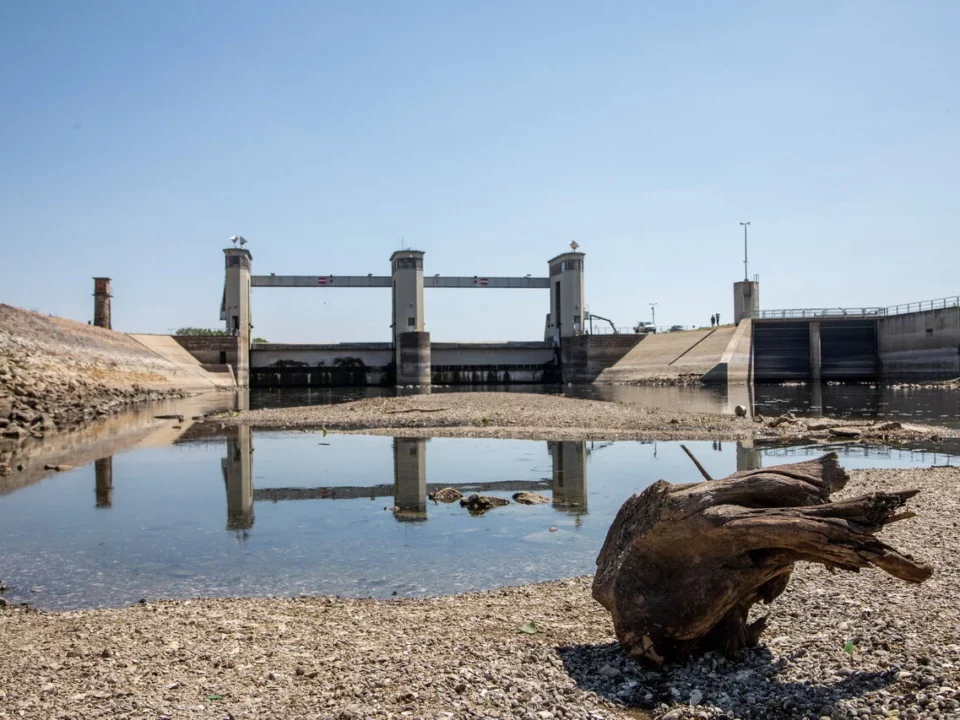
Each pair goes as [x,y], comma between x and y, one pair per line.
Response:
[551,417]
[467,656]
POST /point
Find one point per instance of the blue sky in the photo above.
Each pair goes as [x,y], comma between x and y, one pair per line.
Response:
[135,137]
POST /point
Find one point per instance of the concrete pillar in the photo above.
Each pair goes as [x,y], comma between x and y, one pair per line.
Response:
[566,318]
[748,457]
[569,475]
[746,299]
[238,478]
[409,338]
[815,361]
[413,358]
[101,302]
[410,478]
[103,472]
[235,311]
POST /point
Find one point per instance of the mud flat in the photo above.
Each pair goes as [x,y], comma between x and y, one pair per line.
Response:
[551,417]
[468,656]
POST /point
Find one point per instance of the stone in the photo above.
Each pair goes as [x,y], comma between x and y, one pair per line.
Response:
[740,411]
[14,432]
[530,498]
[3,602]
[446,495]
[479,504]
[107,653]
[5,470]
[846,432]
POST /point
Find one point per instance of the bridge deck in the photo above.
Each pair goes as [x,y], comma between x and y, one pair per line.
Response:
[385,281]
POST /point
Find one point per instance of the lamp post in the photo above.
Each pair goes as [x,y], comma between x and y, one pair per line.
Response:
[746,275]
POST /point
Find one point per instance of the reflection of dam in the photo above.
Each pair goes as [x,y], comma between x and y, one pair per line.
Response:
[410,491]
[238,477]
[569,476]
[103,473]
[410,478]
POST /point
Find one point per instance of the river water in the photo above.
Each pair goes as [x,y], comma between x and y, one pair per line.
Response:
[155,511]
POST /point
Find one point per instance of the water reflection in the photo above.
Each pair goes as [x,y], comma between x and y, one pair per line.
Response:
[238,477]
[410,479]
[103,472]
[569,476]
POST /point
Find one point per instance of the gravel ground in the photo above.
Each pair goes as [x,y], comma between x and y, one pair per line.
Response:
[467,656]
[551,417]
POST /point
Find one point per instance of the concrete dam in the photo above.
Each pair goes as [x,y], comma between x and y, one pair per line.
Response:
[919,341]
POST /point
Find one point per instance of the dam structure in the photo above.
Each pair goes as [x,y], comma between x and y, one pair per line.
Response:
[410,358]
[914,342]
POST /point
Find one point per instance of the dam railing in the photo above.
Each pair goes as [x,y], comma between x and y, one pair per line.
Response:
[857,312]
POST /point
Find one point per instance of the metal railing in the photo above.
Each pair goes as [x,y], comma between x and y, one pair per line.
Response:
[938,304]
[800,313]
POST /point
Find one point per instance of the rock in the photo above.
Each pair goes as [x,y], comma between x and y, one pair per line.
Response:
[3,602]
[446,495]
[58,468]
[740,411]
[695,697]
[552,528]
[846,432]
[888,426]
[529,498]
[479,504]
[14,432]
[5,470]
[300,670]
[609,671]
[107,653]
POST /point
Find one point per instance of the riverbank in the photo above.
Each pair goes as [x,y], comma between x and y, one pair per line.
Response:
[57,374]
[551,417]
[467,655]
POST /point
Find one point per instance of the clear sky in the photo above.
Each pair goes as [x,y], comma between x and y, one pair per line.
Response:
[136,137]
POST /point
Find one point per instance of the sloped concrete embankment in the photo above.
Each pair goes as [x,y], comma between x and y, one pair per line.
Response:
[56,373]
[672,357]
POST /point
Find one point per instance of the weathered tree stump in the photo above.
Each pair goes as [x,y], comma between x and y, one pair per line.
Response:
[683,564]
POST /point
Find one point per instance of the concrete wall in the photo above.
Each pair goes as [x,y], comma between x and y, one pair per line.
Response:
[584,357]
[736,363]
[211,350]
[920,346]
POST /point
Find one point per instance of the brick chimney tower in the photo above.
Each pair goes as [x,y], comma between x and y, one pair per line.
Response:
[101,302]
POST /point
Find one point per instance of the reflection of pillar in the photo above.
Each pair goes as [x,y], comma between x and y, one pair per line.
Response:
[569,475]
[815,362]
[103,470]
[410,478]
[238,477]
[748,457]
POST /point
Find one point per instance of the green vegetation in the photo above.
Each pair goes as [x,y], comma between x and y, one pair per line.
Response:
[209,332]
[200,331]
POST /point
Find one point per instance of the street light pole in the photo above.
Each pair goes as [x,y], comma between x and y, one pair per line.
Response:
[746,275]
[653,313]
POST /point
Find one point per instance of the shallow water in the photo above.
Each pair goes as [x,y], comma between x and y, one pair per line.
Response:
[277,513]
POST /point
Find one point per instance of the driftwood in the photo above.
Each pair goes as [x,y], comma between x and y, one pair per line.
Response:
[683,564]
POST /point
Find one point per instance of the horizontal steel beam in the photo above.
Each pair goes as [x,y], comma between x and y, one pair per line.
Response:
[385,281]
[363,281]
[523,283]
